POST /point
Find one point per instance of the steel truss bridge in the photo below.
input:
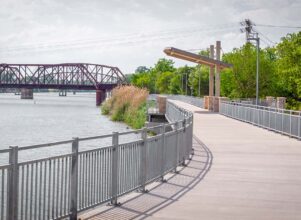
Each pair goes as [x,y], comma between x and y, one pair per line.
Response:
[74,76]
[80,76]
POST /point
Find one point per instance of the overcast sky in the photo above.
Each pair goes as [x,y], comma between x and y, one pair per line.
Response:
[131,33]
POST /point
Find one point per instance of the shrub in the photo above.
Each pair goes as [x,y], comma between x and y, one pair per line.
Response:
[127,104]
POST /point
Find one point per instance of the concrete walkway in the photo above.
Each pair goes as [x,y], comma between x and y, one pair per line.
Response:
[239,171]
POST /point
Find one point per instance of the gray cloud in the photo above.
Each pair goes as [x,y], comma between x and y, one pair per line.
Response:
[130,33]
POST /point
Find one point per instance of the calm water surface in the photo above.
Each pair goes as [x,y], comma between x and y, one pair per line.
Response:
[50,118]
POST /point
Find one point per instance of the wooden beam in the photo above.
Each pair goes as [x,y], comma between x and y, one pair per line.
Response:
[195,58]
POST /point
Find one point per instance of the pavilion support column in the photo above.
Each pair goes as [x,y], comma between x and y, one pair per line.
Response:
[100,96]
[211,73]
[217,69]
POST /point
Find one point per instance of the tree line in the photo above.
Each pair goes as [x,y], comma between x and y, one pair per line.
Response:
[280,74]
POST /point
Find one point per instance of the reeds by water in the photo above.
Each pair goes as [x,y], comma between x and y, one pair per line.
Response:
[128,104]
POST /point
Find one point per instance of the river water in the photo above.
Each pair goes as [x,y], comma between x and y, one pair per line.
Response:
[50,118]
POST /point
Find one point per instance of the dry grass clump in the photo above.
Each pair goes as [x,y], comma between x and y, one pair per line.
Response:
[127,104]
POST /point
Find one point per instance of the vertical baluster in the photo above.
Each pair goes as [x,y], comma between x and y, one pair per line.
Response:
[88,179]
[163,149]
[66,208]
[13,184]
[104,182]
[2,192]
[57,188]
[40,190]
[53,189]
[98,175]
[101,171]
[80,163]
[299,126]
[36,191]
[22,192]
[85,180]
[49,188]
[44,189]
[114,160]
[290,123]
[74,178]
[143,160]
[61,188]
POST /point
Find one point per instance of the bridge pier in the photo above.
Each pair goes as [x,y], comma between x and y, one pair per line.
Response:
[26,93]
[63,93]
[100,96]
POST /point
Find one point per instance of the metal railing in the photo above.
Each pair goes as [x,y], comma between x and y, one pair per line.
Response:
[284,121]
[196,101]
[60,186]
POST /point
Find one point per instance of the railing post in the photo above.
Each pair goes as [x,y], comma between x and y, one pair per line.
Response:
[177,146]
[184,141]
[115,143]
[290,123]
[74,179]
[269,119]
[191,138]
[163,152]
[143,161]
[282,123]
[13,185]
[299,125]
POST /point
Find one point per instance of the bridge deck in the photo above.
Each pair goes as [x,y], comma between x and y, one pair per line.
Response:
[239,172]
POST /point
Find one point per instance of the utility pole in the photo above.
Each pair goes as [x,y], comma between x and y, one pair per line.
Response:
[251,34]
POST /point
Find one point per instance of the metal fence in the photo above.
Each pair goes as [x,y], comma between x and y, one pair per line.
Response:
[284,121]
[196,101]
[60,186]
[261,102]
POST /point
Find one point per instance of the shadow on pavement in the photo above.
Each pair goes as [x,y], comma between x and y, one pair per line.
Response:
[160,195]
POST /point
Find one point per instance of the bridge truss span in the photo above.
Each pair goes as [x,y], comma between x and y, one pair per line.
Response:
[81,76]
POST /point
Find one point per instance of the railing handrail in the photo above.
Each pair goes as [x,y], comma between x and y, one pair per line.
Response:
[278,120]
[67,179]
[50,144]
[285,111]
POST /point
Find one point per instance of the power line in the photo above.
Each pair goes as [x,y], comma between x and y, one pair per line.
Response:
[118,40]
[277,26]
[265,37]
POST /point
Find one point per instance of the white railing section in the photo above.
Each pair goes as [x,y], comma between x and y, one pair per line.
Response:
[284,121]
[60,186]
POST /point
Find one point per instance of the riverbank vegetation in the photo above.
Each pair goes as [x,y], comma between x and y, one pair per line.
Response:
[127,104]
[280,74]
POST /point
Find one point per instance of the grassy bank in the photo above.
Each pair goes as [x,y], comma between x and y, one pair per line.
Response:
[127,104]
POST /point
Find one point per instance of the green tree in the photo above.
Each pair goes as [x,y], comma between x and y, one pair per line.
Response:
[175,86]
[184,73]
[164,65]
[289,69]
[199,75]
[141,80]
[240,81]
[163,82]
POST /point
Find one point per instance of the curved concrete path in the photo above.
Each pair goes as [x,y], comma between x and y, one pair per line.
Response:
[239,171]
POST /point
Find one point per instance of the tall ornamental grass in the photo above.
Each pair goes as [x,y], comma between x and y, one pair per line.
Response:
[127,104]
